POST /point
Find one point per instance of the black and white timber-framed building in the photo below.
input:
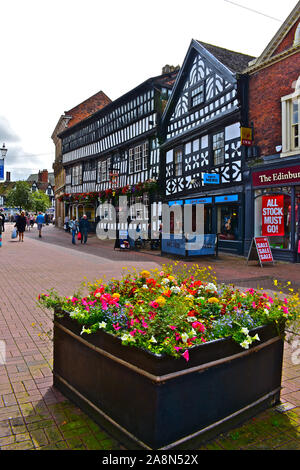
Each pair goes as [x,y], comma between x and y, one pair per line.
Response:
[202,152]
[117,147]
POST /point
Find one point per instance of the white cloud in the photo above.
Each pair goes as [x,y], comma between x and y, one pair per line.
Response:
[55,54]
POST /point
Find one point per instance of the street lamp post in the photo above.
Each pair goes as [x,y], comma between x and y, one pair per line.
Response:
[3,155]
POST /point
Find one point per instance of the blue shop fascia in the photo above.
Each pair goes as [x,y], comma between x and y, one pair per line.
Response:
[203,158]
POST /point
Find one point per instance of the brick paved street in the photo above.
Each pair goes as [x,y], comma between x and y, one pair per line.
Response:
[33,415]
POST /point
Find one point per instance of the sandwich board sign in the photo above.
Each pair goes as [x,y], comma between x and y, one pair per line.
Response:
[260,250]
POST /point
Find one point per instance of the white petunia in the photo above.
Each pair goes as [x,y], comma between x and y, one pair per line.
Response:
[184,337]
[102,324]
[245,331]
[152,340]
[256,337]
[191,319]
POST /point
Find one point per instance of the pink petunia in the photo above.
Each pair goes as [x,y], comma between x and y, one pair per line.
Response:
[172,327]
[116,326]
[154,304]
[178,348]
[186,355]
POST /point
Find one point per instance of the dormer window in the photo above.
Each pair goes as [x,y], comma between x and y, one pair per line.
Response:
[197,95]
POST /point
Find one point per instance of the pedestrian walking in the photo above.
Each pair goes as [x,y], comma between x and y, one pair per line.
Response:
[40,221]
[66,226]
[2,220]
[21,225]
[73,225]
[32,220]
[84,227]
[28,222]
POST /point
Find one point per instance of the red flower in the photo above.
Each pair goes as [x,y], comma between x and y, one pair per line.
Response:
[167,293]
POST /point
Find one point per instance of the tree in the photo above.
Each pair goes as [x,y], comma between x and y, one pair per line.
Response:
[20,196]
[41,201]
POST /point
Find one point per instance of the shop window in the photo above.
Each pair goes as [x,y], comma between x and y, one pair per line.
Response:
[218,146]
[265,223]
[228,222]
[207,219]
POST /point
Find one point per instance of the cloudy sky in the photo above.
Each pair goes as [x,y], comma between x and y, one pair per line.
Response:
[57,53]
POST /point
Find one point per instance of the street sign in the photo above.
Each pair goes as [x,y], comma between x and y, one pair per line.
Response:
[211,178]
[260,250]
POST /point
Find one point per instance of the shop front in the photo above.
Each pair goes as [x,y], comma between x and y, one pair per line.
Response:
[223,217]
[276,214]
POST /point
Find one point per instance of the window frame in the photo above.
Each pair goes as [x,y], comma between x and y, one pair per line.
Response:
[138,158]
[288,136]
[214,149]
[191,98]
[178,164]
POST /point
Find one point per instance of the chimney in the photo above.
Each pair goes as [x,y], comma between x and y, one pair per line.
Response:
[8,176]
[170,68]
[43,176]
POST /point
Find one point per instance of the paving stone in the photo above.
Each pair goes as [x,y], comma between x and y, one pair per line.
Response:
[30,405]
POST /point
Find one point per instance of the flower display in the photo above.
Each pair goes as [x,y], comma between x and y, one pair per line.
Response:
[172,310]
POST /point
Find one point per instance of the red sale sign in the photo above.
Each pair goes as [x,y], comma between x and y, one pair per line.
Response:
[263,249]
[272,216]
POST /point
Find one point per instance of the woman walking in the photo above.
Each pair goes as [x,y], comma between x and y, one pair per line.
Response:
[21,225]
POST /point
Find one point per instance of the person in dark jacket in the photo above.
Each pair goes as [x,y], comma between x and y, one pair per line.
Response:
[84,227]
[2,219]
[21,225]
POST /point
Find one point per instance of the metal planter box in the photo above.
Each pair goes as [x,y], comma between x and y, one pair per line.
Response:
[149,401]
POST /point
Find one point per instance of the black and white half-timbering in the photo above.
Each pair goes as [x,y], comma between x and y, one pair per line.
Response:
[202,151]
[117,148]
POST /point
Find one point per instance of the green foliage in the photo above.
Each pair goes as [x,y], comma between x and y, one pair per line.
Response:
[170,311]
[20,196]
[41,201]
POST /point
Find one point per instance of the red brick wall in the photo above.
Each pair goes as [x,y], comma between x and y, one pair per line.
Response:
[287,42]
[266,87]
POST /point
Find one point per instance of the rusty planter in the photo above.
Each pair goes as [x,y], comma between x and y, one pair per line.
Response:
[150,401]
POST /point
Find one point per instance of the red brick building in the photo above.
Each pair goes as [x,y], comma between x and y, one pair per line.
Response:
[274,160]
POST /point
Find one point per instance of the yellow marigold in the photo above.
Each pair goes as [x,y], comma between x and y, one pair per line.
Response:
[145,274]
[213,300]
[160,300]
[172,278]
[116,295]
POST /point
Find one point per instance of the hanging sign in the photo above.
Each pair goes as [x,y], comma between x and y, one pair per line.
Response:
[260,250]
[246,136]
[272,215]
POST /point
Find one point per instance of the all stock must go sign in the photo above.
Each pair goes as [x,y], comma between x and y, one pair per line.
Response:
[272,216]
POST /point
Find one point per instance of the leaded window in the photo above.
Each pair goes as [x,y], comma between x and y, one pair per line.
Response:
[138,158]
[178,162]
[218,147]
